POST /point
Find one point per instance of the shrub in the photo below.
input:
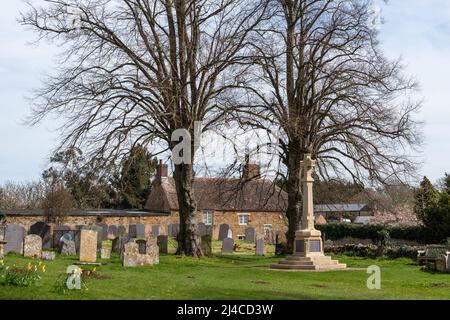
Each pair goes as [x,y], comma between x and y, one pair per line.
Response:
[336,231]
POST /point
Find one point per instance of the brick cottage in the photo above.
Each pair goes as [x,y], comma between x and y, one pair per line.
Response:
[223,203]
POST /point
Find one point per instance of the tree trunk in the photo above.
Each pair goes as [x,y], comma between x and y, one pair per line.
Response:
[294,209]
[188,240]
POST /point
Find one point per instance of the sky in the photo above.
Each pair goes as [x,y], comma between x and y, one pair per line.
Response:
[416,30]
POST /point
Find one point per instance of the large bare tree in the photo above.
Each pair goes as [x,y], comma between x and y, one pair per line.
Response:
[134,71]
[333,94]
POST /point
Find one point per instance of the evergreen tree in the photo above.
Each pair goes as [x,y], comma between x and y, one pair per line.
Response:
[134,183]
[425,197]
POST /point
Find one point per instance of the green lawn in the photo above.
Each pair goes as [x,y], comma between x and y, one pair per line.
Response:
[236,276]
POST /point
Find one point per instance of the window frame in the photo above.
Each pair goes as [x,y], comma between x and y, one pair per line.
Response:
[246,216]
[207,213]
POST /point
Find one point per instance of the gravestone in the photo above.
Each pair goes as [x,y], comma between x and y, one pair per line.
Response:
[132,257]
[162,241]
[250,235]
[2,232]
[223,231]
[105,253]
[88,246]
[142,245]
[230,234]
[122,230]
[113,232]
[43,230]
[206,245]
[152,251]
[104,231]
[174,229]
[227,245]
[155,230]
[136,231]
[115,244]
[58,233]
[68,248]
[201,228]
[123,240]
[260,247]
[32,246]
[14,236]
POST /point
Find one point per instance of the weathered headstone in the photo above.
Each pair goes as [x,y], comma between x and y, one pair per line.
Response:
[68,248]
[32,246]
[43,230]
[260,247]
[223,231]
[88,246]
[250,235]
[113,232]
[104,231]
[48,255]
[136,231]
[2,232]
[227,245]
[132,257]
[163,244]
[105,253]
[230,234]
[155,230]
[201,228]
[206,245]
[122,241]
[14,236]
[152,251]
[174,229]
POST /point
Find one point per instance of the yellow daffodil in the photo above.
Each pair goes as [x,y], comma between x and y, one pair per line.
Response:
[35,268]
[95,269]
[29,266]
[40,263]
[43,268]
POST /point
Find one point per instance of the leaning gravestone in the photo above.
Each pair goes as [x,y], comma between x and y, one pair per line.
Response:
[250,235]
[136,231]
[104,231]
[155,230]
[163,244]
[43,230]
[223,231]
[227,245]
[260,247]
[88,246]
[58,233]
[206,245]
[174,229]
[68,248]
[32,246]
[14,236]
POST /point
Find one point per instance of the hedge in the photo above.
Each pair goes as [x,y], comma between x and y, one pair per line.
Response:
[336,231]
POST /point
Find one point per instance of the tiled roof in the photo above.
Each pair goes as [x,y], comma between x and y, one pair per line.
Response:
[80,213]
[220,194]
[341,207]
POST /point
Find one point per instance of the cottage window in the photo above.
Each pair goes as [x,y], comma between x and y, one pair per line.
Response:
[243,219]
[208,218]
[267,229]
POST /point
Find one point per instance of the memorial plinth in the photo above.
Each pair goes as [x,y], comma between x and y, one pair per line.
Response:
[308,246]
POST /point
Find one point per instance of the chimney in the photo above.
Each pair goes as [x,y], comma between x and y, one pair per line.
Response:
[251,170]
[161,171]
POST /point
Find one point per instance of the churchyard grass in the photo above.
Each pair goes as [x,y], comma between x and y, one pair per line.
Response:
[234,276]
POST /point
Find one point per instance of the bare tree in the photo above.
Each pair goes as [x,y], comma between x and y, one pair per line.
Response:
[134,71]
[334,94]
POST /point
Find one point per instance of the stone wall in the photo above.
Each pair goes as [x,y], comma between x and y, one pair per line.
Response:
[257,220]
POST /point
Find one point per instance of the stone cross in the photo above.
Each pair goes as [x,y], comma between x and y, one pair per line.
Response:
[308,165]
